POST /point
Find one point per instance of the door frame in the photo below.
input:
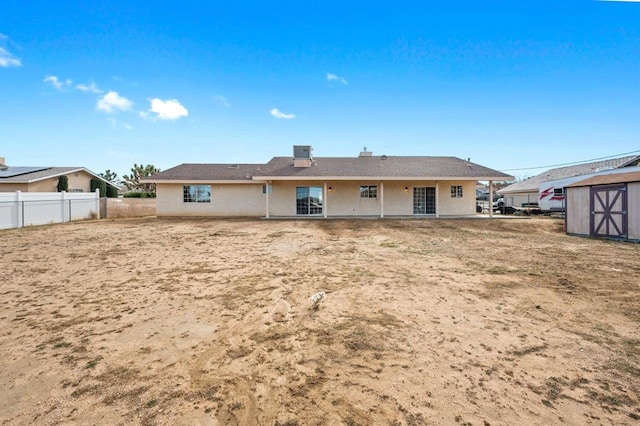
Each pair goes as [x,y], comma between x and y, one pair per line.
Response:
[614,222]
[426,197]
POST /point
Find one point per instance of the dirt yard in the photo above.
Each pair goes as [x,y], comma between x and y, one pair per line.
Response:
[209,322]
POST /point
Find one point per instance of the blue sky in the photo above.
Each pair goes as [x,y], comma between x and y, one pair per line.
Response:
[509,84]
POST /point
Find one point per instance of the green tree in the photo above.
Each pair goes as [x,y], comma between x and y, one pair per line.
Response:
[99,184]
[110,176]
[138,172]
[63,183]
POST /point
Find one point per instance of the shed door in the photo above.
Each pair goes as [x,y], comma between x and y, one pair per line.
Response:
[609,211]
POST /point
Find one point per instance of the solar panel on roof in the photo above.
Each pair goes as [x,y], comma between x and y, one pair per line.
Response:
[17,171]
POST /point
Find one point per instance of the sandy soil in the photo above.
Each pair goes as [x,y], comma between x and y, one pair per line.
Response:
[209,322]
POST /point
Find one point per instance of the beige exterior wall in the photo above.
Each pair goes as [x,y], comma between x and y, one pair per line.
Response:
[450,206]
[226,200]
[633,207]
[578,214]
[13,187]
[344,198]
[80,181]
[517,199]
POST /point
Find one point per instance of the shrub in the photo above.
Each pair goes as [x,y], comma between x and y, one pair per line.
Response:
[139,194]
[99,184]
[63,183]
[112,192]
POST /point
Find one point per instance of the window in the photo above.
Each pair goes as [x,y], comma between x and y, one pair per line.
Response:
[196,193]
[264,189]
[558,191]
[456,191]
[369,191]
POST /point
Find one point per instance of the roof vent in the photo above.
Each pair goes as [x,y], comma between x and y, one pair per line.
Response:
[234,166]
[302,155]
[383,157]
[2,165]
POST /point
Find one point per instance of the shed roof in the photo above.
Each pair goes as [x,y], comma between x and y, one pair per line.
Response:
[608,179]
[533,183]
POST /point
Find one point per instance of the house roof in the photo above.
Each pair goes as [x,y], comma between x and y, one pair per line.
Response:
[380,167]
[608,179]
[388,167]
[35,174]
[533,183]
[207,172]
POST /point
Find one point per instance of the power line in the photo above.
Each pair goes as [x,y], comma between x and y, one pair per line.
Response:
[571,164]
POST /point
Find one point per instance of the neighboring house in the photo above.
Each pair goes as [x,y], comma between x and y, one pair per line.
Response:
[526,191]
[605,206]
[45,179]
[304,186]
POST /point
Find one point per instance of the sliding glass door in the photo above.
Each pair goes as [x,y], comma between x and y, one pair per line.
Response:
[309,200]
[424,200]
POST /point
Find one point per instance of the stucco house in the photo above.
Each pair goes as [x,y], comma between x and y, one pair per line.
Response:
[45,179]
[307,186]
[526,191]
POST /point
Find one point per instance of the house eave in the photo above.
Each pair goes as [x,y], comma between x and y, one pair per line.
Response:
[204,181]
[380,178]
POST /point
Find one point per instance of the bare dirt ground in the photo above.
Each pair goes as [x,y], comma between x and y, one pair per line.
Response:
[209,322]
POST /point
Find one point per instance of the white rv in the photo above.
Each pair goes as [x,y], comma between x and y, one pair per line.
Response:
[552,193]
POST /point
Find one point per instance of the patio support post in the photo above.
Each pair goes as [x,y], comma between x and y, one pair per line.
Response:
[490,198]
[268,186]
[437,199]
[325,201]
[381,199]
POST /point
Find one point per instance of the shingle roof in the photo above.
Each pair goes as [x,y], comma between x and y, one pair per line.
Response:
[608,179]
[381,167]
[533,183]
[42,173]
[336,167]
[207,172]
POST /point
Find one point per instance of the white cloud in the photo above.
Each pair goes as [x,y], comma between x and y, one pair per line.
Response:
[279,114]
[92,88]
[170,109]
[334,77]
[222,100]
[7,59]
[112,101]
[56,82]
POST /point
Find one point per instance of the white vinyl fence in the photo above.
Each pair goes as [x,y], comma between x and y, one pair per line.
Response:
[18,209]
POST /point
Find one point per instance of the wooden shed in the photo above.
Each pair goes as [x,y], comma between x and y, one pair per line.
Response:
[606,206]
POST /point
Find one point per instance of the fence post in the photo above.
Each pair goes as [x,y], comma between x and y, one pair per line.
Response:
[19,211]
[62,206]
[98,202]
